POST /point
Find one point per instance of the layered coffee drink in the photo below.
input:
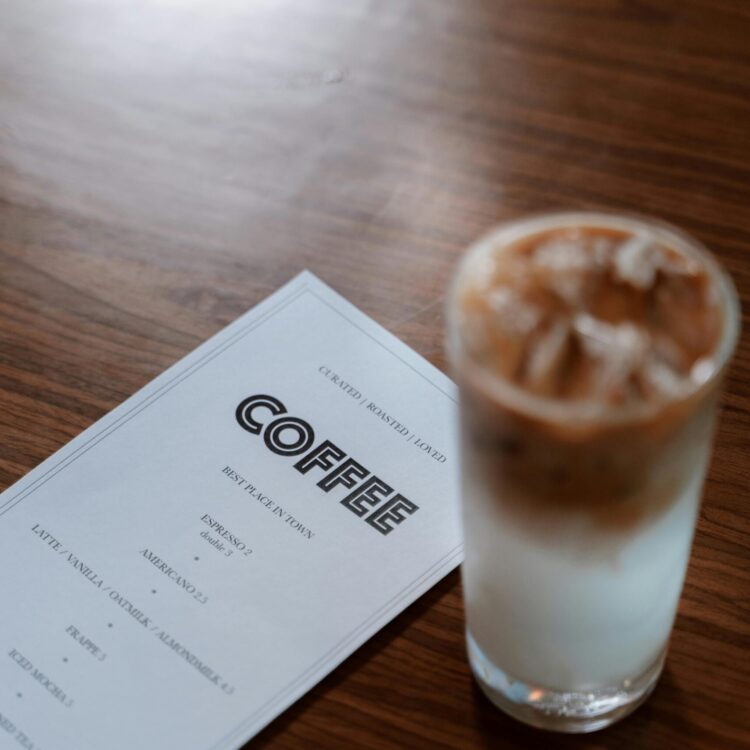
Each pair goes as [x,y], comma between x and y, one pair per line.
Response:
[589,350]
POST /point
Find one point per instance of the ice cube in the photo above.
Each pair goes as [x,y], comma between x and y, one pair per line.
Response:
[636,261]
[601,251]
[516,315]
[660,379]
[593,334]
[546,356]
[562,254]
[617,350]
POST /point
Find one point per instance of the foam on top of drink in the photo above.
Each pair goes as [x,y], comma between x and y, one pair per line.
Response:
[592,313]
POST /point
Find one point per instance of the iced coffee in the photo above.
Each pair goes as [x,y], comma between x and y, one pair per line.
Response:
[589,351]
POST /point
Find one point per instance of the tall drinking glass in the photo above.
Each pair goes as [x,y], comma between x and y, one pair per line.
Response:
[589,350]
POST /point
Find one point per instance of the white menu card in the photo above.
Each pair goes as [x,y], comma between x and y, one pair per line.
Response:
[191,564]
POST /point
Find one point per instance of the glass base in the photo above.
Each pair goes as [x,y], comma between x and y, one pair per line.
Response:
[557,710]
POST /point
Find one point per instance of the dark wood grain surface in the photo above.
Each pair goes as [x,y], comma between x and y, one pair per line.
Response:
[165,165]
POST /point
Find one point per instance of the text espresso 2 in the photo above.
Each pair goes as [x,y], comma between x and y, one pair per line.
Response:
[371,498]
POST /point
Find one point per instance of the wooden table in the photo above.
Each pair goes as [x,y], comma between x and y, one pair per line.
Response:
[165,165]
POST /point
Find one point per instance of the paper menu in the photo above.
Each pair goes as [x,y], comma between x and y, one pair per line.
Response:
[191,564]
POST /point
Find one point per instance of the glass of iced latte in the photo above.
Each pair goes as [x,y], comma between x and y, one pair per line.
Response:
[589,349]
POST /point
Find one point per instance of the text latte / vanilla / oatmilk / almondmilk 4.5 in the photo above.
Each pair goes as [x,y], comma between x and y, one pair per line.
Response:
[589,350]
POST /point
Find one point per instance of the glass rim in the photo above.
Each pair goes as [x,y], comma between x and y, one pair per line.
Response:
[547,408]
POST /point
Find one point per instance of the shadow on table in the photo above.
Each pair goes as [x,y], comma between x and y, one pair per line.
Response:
[658,723]
[355,662]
